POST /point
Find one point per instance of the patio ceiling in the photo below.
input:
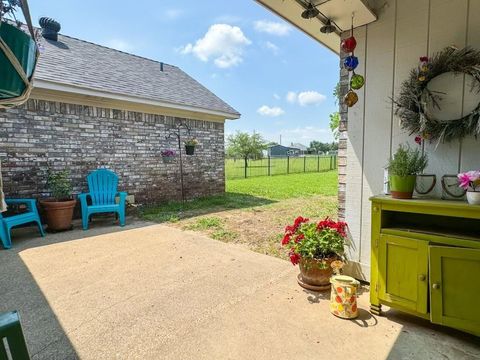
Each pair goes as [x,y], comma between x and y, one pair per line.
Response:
[339,11]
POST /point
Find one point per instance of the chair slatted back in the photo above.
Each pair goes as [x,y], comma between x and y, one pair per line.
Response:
[102,185]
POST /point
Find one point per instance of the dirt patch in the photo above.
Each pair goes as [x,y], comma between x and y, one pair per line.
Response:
[260,228]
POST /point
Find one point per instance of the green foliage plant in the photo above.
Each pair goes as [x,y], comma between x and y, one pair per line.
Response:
[407,161]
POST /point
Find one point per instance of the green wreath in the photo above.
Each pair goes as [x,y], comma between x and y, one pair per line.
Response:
[410,103]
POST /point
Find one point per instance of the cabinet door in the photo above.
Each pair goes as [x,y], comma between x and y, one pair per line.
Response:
[455,287]
[403,275]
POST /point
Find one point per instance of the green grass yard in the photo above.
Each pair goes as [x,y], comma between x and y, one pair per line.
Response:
[254,211]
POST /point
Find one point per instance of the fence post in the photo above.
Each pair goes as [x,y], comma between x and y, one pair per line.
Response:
[318,163]
[288,164]
[331,162]
[246,164]
[304,164]
[269,166]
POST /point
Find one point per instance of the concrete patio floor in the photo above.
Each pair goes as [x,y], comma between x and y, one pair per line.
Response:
[154,292]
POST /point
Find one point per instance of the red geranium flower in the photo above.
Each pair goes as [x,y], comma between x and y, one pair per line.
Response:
[286,239]
[294,258]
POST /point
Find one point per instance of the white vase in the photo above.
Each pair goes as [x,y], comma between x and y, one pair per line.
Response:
[473,197]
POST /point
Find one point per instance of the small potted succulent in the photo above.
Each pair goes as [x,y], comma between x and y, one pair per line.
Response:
[403,169]
[59,208]
[168,155]
[314,246]
[190,146]
[470,182]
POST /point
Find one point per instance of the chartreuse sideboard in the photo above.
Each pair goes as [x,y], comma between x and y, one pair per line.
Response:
[425,260]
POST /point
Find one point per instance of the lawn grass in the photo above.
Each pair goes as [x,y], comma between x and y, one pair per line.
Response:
[247,193]
[282,187]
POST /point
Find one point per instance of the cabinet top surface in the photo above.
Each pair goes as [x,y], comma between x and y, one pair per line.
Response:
[424,202]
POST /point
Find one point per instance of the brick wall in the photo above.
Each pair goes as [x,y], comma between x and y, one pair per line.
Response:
[342,142]
[43,134]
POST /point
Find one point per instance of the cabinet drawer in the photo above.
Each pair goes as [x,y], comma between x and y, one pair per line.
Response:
[403,275]
[455,286]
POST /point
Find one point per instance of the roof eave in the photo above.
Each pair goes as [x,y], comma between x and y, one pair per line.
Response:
[81,90]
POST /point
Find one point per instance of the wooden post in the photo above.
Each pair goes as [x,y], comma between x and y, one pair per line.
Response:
[288,164]
[318,163]
[246,165]
[269,172]
[304,164]
[331,162]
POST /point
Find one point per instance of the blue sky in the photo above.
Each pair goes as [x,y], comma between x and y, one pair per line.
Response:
[278,78]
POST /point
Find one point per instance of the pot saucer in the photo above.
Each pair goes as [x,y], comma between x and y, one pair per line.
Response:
[311,287]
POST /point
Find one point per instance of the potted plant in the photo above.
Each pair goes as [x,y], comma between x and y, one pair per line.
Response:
[403,169]
[470,182]
[59,208]
[168,155]
[190,146]
[314,246]
[15,86]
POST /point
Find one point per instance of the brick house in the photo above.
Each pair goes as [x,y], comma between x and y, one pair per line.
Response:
[93,106]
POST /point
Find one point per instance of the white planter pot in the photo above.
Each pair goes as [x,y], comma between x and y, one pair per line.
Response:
[473,197]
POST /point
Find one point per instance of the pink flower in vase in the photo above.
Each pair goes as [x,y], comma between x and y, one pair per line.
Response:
[469,179]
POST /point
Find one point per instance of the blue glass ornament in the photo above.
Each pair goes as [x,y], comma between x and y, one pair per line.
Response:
[350,62]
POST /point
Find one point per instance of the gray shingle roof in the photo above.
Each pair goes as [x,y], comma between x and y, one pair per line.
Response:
[76,62]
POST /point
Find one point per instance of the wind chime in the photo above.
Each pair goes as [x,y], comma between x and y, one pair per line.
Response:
[350,63]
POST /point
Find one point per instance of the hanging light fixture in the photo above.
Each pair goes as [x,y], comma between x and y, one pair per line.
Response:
[328,27]
[310,12]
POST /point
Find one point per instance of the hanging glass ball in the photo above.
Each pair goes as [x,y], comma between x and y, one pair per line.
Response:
[350,98]
[350,62]
[357,81]
[349,44]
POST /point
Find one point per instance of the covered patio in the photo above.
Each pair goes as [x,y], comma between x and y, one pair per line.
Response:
[154,292]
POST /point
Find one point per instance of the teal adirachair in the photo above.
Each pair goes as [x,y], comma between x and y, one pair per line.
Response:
[8,222]
[102,187]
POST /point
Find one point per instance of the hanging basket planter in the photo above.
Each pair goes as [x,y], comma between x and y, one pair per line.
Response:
[190,149]
[18,59]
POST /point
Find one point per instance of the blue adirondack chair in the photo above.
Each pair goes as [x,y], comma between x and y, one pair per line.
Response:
[102,187]
[30,216]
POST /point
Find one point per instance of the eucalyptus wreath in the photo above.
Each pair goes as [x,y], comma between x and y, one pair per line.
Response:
[414,95]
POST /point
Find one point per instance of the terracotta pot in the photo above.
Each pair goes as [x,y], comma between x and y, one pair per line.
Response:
[59,214]
[313,273]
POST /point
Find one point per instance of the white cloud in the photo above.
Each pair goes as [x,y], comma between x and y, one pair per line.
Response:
[310,98]
[223,43]
[119,44]
[272,47]
[173,14]
[270,111]
[305,98]
[273,28]
[291,97]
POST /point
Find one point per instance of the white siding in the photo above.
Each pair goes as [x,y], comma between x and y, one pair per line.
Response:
[388,49]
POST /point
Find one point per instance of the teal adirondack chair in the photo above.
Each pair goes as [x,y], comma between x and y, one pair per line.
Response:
[8,222]
[102,187]
[12,335]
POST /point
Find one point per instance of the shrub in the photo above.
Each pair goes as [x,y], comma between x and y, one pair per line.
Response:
[60,185]
[407,161]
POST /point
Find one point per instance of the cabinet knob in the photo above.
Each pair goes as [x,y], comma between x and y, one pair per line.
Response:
[436,286]
[421,277]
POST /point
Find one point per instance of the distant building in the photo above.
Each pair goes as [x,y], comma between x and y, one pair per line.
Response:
[280,150]
[303,149]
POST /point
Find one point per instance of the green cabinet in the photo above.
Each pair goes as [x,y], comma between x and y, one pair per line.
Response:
[455,287]
[425,260]
[404,271]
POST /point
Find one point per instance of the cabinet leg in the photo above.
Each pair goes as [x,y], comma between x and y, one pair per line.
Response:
[376,309]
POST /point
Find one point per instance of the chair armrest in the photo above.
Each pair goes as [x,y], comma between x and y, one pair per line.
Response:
[30,203]
[83,198]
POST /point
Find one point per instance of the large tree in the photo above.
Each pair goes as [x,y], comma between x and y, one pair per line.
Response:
[245,146]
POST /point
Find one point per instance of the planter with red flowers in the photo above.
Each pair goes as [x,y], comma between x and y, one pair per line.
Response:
[314,246]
